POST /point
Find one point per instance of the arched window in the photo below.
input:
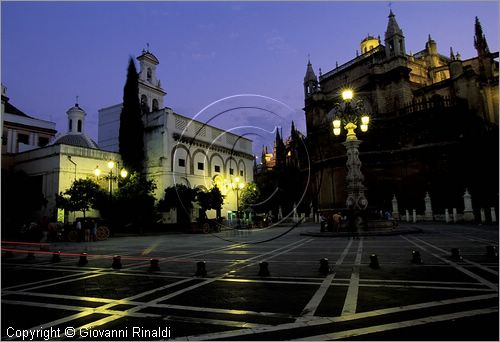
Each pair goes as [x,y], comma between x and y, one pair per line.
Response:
[149,75]
[70,125]
[155,105]
[79,126]
[144,103]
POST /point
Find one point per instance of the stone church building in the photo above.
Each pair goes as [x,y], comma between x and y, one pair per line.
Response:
[178,149]
[434,124]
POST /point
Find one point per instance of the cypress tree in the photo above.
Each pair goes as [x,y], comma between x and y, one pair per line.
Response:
[131,143]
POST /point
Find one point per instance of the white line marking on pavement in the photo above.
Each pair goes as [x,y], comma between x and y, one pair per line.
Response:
[312,306]
[351,299]
[464,259]
[458,267]
[108,319]
[327,320]
[79,308]
[398,325]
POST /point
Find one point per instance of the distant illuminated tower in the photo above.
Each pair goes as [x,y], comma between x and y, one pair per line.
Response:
[369,43]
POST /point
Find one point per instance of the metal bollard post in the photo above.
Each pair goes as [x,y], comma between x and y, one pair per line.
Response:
[491,252]
[201,270]
[117,262]
[374,261]
[264,269]
[56,256]
[455,254]
[415,257]
[154,265]
[83,259]
[324,268]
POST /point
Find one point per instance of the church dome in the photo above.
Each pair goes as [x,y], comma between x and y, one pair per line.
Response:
[80,140]
[76,130]
[369,43]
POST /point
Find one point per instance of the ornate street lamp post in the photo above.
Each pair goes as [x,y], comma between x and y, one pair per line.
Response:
[237,186]
[349,114]
[110,177]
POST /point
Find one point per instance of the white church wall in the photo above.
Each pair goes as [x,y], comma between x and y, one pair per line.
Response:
[109,128]
[59,172]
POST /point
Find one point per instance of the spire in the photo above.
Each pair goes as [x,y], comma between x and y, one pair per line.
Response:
[452,56]
[480,42]
[310,75]
[394,39]
[392,26]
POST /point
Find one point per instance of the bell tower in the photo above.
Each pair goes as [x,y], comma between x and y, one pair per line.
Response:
[150,92]
[394,39]
[310,81]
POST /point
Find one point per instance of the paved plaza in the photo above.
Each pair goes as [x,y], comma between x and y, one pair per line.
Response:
[441,298]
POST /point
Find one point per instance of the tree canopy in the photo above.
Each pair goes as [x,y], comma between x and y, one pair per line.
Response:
[83,195]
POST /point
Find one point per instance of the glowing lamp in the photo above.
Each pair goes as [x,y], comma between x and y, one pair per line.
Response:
[336,123]
[123,173]
[241,185]
[237,180]
[364,127]
[111,164]
[336,131]
[347,95]
[97,172]
[365,120]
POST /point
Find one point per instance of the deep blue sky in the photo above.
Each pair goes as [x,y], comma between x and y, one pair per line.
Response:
[53,51]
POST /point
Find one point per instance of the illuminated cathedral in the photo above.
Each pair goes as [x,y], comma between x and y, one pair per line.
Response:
[433,128]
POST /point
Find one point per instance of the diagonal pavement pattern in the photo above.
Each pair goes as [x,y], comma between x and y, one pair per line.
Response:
[440,299]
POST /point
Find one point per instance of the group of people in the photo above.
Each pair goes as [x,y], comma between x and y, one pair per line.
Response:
[331,223]
[87,230]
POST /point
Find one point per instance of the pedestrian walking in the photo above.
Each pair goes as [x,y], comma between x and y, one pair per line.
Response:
[337,221]
[79,231]
[93,231]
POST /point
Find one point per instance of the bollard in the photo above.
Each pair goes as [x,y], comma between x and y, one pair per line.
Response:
[264,269]
[117,262]
[201,270]
[455,254]
[324,268]
[8,254]
[154,265]
[491,252]
[415,257]
[83,259]
[56,256]
[374,261]
[30,256]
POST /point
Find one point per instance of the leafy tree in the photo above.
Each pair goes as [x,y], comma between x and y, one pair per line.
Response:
[81,196]
[132,204]
[249,196]
[131,143]
[216,200]
[212,199]
[181,197]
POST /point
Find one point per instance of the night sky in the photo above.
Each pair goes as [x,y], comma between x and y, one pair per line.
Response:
[53,51]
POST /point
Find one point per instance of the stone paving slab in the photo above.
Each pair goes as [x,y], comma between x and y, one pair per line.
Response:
[396,301]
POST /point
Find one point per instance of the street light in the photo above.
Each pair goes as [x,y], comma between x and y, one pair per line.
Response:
[237,186]
[349,114]
[110,177]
